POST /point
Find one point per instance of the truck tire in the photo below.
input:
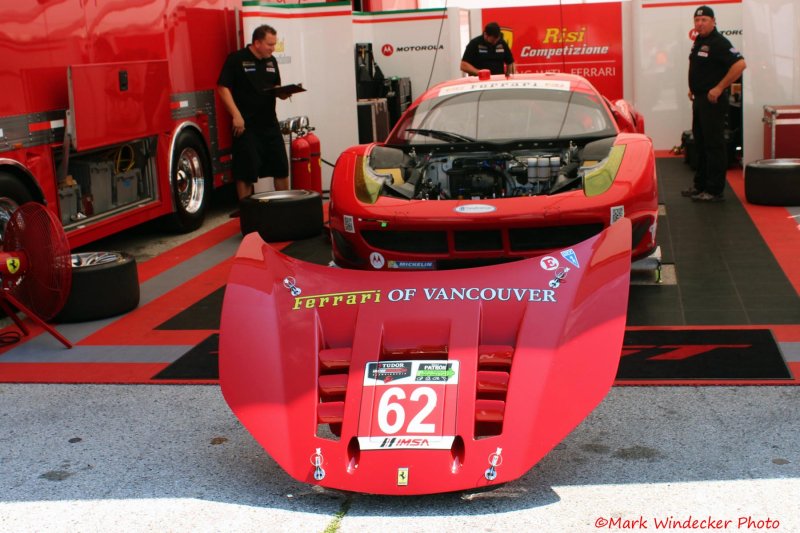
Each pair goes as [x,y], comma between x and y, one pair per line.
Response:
[13,193]
[104,284]
[191,182]
[280,216]
[773,182]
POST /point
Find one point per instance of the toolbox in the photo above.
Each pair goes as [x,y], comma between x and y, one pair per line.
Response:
[94,178]
[781,131]
[126,186]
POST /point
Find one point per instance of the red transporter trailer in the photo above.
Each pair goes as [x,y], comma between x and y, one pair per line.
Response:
[108,113]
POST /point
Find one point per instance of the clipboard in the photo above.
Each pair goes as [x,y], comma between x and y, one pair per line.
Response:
[286,90]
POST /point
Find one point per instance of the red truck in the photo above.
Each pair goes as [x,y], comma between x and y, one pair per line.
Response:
[109,114]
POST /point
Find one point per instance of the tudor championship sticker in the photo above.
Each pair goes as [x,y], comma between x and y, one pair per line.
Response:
[408,405]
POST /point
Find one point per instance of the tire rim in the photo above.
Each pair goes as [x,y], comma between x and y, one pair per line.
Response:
[95,258]
[280,195]
[7,208]
[190,181]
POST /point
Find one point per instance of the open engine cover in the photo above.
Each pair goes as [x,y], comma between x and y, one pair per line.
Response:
[421,382]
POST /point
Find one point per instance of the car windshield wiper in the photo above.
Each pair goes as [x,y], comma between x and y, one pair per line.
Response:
[442,135]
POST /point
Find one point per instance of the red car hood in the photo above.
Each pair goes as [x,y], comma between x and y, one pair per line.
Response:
[421,382]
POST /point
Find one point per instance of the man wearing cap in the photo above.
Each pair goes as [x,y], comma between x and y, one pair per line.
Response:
[714,64]
[488,51]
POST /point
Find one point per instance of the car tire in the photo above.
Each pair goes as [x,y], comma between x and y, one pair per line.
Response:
[13,193]
[280,216]
[104,284]
[773,182]
[191,182]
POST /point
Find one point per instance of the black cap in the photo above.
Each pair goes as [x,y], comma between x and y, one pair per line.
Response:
[492,29]
[704,11]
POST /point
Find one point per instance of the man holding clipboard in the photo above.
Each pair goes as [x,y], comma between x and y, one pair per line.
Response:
[248,85]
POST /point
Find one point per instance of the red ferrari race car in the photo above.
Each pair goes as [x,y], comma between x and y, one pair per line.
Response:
[485,169]
[421,382]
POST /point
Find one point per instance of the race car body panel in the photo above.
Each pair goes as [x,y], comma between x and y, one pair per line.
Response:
[421,382]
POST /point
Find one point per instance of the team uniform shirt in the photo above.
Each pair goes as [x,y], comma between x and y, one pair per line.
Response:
[248,78]
[710,59]
[483,55]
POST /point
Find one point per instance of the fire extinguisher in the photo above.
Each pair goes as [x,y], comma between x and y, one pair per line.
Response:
[301,163]
[316,161]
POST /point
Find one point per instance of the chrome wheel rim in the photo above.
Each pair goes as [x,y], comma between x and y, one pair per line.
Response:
[190,181]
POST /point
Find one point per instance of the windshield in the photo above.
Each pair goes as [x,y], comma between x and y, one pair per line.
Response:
[502,116]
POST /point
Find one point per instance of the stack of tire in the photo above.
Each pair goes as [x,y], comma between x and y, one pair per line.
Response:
[773,182]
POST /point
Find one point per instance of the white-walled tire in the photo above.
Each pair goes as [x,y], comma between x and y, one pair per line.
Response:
[773,182]
[104,284]
[280,216]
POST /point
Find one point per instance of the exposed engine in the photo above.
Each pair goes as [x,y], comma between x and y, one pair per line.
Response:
[484,174]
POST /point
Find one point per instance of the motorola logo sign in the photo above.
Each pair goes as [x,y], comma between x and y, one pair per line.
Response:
[387,50]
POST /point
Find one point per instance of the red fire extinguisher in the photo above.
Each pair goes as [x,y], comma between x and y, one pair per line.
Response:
[301,163]
[316,161]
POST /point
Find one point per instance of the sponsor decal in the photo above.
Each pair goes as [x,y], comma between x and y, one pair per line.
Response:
[475,208]
[617,212]
[335,299]
[557,85]
[412,265]
[402,476]
[387,371]
[387,49]
[431,294]
[435,372]
[570,256]
[406,442]
[349,225]
[418,48]
[548,262]
[376,260]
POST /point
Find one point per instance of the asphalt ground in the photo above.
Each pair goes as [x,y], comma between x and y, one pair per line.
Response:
[174,458]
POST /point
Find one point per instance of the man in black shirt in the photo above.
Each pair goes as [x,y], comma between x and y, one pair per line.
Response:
[713,65]
[488,51]
[243,86]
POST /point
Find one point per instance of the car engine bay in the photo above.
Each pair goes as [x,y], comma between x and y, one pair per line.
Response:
[484,173]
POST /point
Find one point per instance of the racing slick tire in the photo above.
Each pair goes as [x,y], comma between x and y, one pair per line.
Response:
[773,182]
[280,216]
[104,284]
[191,182]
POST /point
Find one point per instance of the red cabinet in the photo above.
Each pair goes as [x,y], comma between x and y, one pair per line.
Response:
[781,131]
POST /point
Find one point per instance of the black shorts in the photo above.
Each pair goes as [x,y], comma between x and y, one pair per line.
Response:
[259,154]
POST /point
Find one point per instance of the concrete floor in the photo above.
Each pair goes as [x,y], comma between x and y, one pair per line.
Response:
[174,458]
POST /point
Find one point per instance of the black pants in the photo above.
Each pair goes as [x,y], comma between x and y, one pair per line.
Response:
[708,127]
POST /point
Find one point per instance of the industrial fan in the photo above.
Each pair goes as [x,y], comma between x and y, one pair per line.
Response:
[35,267]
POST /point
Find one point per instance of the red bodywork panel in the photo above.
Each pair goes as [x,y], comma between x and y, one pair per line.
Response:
[416,382]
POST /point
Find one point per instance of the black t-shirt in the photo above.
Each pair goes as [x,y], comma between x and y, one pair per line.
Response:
[248,77]
[710,59]
[481,54]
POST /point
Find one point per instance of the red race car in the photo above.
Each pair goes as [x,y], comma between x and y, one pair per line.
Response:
[485,169]
[421,382]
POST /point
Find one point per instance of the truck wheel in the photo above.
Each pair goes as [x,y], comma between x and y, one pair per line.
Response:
[13,194]
[282,215]
[191,182]
[773,182]
[104,284]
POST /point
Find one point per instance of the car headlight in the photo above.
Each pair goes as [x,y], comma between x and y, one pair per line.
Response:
[598,179]
[368,183]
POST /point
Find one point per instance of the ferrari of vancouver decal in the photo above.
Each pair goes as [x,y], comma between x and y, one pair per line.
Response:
[412,405]
[486,294]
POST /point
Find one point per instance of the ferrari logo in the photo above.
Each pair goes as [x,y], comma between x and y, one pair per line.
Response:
[508,36]
[402,477]
[12,264]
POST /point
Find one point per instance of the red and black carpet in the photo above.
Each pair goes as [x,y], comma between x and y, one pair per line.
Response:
[733,317]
